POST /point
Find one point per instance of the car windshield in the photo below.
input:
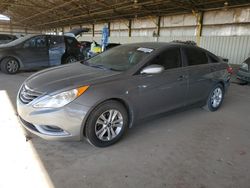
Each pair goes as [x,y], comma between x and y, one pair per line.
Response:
[120,58]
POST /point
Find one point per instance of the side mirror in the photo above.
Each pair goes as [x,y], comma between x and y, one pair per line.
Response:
[152,69]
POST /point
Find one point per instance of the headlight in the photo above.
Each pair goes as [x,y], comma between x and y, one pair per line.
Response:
[61,99]
[244,66]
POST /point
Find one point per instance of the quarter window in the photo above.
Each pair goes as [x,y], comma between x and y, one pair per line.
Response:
[196,56]
[212,58]
[169,59]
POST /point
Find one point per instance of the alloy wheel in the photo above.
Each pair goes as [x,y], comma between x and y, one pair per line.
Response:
[108,125]
[216,97]
[12,66]
[71,60]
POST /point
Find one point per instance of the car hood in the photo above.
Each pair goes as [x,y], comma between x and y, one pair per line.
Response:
[5,46]
[67,77]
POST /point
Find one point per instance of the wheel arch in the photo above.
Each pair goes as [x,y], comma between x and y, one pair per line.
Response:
[221,82]
[121,101]
[16,58]
[65,56]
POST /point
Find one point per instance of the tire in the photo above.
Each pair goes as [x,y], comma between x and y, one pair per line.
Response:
[10,65]
[215,98]
[69,59]
[101,131]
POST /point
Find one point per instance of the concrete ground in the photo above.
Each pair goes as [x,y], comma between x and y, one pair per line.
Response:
[189,149]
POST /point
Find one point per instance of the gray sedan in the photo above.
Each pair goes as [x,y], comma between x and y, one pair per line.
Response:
[102,97]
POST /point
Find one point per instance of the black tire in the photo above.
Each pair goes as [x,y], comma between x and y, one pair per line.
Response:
[10,65]
[92,125]
[210,105]
[69,59]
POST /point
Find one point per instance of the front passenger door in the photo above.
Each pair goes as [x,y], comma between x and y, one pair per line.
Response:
[164,91]
[34,52]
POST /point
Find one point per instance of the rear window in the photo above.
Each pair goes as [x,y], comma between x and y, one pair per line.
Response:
[196,56]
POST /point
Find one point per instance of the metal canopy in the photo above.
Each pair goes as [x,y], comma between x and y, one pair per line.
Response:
[45,14]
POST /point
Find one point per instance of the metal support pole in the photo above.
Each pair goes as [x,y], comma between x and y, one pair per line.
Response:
[109,29]
[93,30]
[129,27]
[158,26]
[199,18]
[11,28]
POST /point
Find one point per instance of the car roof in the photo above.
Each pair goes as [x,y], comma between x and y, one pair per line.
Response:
[159,45]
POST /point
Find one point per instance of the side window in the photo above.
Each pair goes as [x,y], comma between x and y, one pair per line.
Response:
[36,42]
[212,58]
[56,41]
[196,56]
[169,59]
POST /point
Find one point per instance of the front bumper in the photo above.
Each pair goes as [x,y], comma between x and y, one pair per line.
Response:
[243,75]
[64,124]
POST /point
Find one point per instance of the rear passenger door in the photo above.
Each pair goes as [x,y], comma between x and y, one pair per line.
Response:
[56,50]
[199,74]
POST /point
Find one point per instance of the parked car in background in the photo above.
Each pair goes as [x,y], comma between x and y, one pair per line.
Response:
[6,38]
[39,51]
[243,73]
[112,45]
[106,94]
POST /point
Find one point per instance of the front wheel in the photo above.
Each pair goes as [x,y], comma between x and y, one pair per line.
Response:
[215,98]
[106,124]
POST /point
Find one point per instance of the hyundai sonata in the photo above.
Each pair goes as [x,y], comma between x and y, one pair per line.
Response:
[102,97]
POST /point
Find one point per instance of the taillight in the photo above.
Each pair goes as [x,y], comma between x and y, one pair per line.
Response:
[230,70]
[79,45]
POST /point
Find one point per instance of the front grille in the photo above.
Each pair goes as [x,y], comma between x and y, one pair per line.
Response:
[27,95]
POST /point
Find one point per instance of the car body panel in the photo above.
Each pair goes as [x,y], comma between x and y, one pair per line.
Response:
[142,94]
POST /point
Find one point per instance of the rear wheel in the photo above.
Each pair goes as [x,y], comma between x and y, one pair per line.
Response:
[215,98]
[106,124]
[69,59]
[9,65]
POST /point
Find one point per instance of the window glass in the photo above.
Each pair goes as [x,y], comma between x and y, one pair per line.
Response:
[120,58]
[3,37]
[196,56]
[56,41]
[213,58]
[169,59]
[36,42]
